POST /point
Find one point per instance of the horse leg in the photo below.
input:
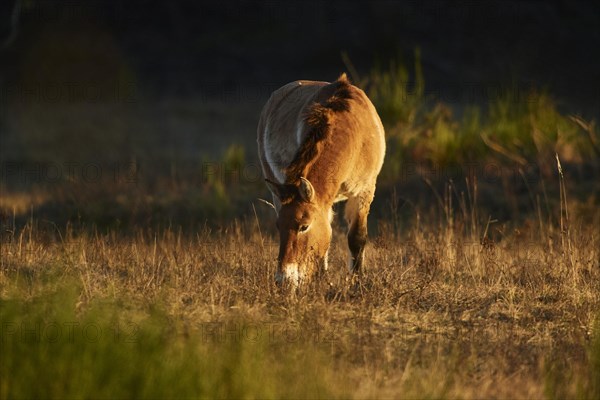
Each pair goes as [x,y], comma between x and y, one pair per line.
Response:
[357,210]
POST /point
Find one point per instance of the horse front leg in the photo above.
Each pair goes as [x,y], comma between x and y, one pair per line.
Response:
[357,211]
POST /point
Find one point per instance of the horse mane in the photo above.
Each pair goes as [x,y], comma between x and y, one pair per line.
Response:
[333,98]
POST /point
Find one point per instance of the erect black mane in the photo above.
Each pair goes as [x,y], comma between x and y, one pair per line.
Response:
[333,98]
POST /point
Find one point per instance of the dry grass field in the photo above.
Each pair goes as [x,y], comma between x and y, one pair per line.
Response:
[136,261]
[444,309]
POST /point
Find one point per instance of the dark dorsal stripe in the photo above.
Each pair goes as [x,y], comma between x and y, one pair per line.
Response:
[331,99]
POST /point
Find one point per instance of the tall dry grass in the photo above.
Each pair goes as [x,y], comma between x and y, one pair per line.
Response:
[475,290]
[443,309]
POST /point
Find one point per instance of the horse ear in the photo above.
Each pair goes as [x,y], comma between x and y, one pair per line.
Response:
[275,188]
[306,189]
[285,191]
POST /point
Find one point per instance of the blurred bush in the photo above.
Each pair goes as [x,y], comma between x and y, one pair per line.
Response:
[517,127]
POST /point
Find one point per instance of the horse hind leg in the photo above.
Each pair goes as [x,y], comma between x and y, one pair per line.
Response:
[357,210]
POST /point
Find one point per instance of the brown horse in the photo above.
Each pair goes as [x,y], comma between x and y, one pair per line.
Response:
[319,143]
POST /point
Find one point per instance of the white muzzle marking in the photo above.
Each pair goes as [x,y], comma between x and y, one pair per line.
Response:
[289,274]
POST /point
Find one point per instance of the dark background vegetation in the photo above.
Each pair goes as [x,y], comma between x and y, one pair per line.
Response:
[188,48]
[168,93]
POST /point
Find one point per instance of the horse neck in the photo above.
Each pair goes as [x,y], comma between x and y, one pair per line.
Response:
[326,172]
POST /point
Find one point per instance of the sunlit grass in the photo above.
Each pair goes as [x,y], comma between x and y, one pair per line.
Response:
[173,263]
[52,348]
[443,310]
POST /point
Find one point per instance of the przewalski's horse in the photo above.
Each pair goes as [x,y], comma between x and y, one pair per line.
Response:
[319,143]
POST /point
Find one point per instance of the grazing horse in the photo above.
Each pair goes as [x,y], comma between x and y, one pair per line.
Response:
[319,143]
